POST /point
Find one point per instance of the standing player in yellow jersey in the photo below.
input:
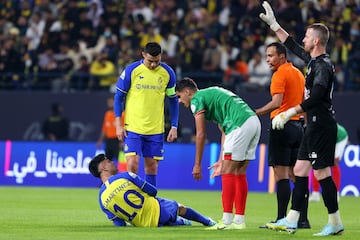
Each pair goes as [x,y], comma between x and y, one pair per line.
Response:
[127,199]
[142,88]
[287,90]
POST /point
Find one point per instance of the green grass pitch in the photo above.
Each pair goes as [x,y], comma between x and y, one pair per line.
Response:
[73,213]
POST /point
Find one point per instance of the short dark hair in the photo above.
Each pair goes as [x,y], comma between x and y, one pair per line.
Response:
[94,164]
[280,48]
[186,82]
[322,32]
[56,108]
[153,48]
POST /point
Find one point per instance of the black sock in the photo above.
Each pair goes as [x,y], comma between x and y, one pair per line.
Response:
[283,193]
[304,210]
[329,194]
[301,188]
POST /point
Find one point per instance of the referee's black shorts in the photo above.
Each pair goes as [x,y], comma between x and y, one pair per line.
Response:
[284,144]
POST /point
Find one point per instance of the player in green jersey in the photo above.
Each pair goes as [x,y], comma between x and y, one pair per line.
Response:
[240,128]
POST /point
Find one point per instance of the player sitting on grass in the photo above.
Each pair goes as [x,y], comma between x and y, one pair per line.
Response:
[126,198]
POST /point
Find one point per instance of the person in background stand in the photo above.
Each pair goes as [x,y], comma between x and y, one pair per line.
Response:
[287,90]
[108,134]
[341,142]
[56,127]
[318,144]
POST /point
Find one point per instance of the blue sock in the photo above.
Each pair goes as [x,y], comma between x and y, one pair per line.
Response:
[180,221]
[151,178]
[193,215]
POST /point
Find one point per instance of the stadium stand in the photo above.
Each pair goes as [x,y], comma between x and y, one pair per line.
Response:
[42,41]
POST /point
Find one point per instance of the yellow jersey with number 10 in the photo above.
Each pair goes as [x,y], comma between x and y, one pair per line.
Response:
[122,198]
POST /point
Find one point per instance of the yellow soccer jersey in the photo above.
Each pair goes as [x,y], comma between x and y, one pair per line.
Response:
[145,91]
[122,197]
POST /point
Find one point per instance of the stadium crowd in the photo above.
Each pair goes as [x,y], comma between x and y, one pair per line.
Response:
[69,45]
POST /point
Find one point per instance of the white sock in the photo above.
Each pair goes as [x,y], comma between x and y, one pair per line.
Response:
[334,218]
[227,218]
[239,219]
[293,216]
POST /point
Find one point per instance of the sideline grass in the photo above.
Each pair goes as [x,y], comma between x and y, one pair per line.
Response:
[73,213]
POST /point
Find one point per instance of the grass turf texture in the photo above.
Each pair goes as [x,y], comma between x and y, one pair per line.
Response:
[73,213]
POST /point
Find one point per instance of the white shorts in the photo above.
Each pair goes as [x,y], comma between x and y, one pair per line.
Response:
[340,148]
[240,144]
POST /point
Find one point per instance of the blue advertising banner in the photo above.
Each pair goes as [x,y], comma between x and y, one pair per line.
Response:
[47,164]
[65,164]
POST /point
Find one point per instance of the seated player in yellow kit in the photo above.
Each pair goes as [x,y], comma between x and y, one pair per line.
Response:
[126,198]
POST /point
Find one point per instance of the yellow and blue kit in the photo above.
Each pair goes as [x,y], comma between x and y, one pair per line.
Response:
[125,197]
[145,90]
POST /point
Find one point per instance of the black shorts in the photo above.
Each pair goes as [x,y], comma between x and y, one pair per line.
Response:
[318,145]
[284,144]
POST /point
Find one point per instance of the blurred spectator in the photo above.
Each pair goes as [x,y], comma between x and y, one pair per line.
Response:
[112,18]
[311,11]
[52,29]
[169,44]
[14,37]
[213,25]
[355,36]
[211,62]
[246,30]
[259,73]
[110,47]
[246,50]
[102,73]
[56,126]
[73,51]
[233,30]
[95,11]
[87,36]
[5,27]
[190,56]
[142,9]
[25,9]
[22,24]
[44,5]
[290,17]
[11,66]
[81,77]
[225,13]
[80,23]
[7,9]
[48,69]
[65,68]
[35,30]
[228,52]
[150,35]
[235,74]
[339,57]
[354,71]
[126,54]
